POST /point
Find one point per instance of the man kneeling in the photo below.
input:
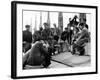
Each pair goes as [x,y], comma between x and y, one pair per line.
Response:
[37,55]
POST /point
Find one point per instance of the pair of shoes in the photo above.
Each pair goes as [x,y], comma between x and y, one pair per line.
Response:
[46,65]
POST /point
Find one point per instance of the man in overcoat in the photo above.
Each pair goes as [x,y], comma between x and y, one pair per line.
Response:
[37,55]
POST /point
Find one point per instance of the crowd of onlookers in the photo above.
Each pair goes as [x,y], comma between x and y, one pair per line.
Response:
[39,47]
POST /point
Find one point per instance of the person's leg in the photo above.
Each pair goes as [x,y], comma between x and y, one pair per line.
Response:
[74,49]
[82,51]
[24,59]
[47,61]
[27,47]
[81,46]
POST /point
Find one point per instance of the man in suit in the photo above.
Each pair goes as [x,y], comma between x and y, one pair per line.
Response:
[37,55]
[27,39]
[83,37]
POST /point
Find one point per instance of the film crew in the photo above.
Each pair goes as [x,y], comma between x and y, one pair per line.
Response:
[37,55]
[82,38]
[73,22]
[27,39]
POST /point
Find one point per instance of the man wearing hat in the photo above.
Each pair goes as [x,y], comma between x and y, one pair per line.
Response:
[27,39]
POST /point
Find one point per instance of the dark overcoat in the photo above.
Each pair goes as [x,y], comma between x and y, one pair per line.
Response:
[36,55]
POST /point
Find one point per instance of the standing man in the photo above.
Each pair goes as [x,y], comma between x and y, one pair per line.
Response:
[47,33]
[56,33]
[70,34]
[27,39]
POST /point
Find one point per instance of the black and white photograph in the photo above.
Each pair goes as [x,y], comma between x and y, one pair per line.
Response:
[54,39]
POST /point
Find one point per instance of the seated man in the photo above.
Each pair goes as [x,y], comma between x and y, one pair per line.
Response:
[82,38]
[37,55]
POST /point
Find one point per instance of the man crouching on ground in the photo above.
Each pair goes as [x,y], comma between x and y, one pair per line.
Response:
[37,55]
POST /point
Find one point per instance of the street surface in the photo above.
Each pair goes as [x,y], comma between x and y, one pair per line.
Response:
[65,60]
